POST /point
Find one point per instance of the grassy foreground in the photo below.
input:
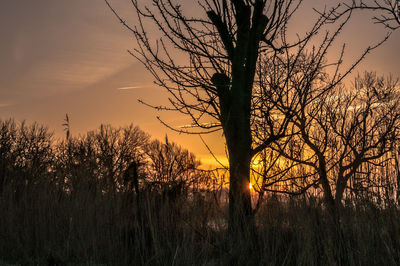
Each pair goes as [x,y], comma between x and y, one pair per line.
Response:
[46,226]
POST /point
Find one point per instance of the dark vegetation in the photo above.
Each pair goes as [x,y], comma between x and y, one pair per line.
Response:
[323,157]
[74,202]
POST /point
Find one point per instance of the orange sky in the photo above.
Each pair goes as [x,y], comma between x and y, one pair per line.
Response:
[70,57]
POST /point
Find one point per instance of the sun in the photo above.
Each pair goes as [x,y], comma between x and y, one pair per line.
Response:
[250,186]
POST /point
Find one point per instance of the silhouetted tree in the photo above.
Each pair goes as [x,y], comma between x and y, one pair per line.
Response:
[221,85]
[388,11]
[26,156]
[170,168]
[101,155]
[342,131]
[8,136]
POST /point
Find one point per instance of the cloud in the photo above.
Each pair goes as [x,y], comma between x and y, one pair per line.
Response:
[4,105]
[128,88]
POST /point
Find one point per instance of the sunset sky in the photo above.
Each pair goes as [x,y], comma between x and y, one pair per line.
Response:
[70,56]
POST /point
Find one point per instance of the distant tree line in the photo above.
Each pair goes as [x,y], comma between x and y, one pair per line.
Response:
[350,142]
[104,160]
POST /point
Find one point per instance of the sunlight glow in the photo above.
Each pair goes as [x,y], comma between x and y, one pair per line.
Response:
[250,186]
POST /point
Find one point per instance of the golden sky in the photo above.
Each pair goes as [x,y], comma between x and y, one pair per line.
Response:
[70,56]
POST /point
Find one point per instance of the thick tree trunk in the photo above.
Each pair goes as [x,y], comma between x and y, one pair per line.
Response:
[234,96]
[240,210]
[238,138]
[235,119]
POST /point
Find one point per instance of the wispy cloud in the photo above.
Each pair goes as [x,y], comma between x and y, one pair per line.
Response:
[128,88]
[4,105]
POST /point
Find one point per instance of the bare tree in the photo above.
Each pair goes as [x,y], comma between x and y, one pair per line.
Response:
[26,156]
[220,83]
[343,130]
[8,138]
[101,155]
[388,11]
[170,167]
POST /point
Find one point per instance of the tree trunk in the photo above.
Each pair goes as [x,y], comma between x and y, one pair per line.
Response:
[235,104]
[323,176]
[238,138]
[240,210]
[340,188]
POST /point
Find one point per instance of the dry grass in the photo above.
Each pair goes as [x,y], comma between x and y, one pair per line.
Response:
[47,227]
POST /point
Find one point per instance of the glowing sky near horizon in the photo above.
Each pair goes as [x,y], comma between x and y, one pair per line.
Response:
[61,57]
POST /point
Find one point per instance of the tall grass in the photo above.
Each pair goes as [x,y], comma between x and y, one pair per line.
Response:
[45,219]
